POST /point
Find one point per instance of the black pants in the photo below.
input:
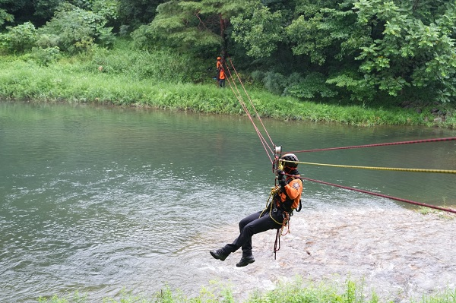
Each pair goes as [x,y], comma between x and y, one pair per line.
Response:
[250,226]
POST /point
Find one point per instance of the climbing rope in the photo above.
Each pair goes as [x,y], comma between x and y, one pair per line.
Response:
[382,195]
[250,100]
[234,88]
[285,222]
[266,146]
[376,145]
[415,170]
[269,205]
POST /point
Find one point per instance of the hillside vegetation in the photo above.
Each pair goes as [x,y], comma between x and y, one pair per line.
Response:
[353,61]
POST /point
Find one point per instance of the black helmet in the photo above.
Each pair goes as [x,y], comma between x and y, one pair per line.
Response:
[290,157]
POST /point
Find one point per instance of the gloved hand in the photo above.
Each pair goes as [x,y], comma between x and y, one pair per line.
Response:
[281,178]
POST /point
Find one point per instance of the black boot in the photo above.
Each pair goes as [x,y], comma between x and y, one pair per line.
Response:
[245,261]
[219,254]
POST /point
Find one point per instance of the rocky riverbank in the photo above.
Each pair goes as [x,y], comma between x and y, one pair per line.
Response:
[399,254]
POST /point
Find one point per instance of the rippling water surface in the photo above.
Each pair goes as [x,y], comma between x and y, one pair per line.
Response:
[100,199]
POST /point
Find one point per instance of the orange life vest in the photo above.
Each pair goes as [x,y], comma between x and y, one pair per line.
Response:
[221,74]
[290,198]
[221,71]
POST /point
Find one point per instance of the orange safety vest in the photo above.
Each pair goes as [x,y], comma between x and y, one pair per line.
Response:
[292,196]
[221,74]
[220,69]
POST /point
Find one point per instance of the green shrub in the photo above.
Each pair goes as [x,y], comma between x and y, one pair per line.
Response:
[77,29]
[20,38]
[312,87]
[44,56]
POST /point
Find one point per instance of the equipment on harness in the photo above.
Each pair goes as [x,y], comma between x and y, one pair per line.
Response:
[285,167]
[281,206]
[275,162]
[281,178]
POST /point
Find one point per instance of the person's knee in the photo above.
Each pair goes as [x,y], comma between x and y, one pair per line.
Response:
[248,230]
[242,224]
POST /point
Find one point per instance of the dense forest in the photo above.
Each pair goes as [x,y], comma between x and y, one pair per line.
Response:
[399,51]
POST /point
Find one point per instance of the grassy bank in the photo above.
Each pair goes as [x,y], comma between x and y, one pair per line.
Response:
[293,292]
[157,80]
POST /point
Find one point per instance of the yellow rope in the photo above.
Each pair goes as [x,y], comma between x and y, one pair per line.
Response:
[415,170]
[269,205]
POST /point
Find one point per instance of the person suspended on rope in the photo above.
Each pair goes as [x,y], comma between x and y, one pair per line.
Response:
[286,198]
[220,72]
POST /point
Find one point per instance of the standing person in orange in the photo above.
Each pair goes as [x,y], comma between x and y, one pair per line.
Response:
[220,72]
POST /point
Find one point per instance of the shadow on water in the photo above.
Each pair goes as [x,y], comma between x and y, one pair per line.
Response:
[97,199]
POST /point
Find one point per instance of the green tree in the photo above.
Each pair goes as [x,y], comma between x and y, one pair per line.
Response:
[14,11]
[44,10]
[40,11]
[359,49]
[259,31]
[196,26]
[410,58]
[134,13]
[76,29]
[5,17]
[307,34]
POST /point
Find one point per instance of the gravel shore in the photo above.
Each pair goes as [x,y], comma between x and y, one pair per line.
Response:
[399,254]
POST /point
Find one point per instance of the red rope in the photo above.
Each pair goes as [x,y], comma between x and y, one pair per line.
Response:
[378,144]
[381,195]
[251,102]
[238,95]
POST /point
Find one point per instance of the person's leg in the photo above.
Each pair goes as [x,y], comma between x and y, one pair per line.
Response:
[260,225]
[251,226]
[224,252]
[248,227]
[247,246]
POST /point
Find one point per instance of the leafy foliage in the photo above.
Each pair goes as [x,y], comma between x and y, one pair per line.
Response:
[44,56]
[134,13]
[411,55]
[355,50]
[312,87]
[19,38]
[365,48]
[5,17]
[179,25]
[77,30]
[41,11]
[197,27]
[14,12]
[259,31]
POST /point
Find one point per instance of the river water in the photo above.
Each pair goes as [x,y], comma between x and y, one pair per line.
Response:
[104,199]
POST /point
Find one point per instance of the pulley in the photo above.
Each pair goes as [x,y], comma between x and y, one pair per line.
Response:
[276,163]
